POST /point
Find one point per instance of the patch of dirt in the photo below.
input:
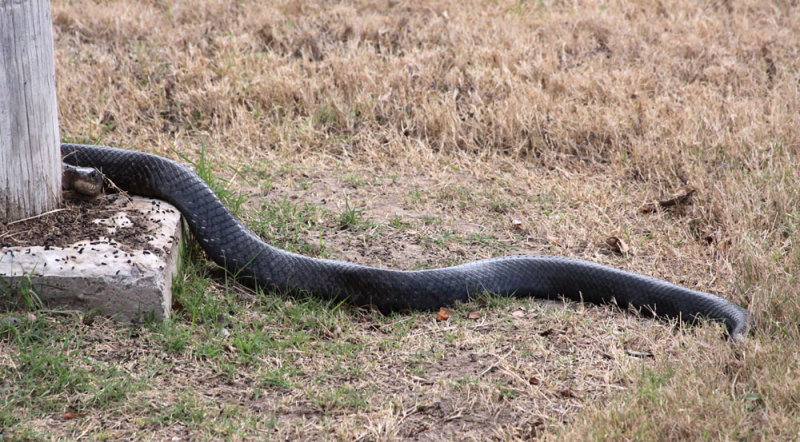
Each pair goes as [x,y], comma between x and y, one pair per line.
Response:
[76,221]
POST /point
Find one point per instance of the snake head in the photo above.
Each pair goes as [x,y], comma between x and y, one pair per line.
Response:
[84,180]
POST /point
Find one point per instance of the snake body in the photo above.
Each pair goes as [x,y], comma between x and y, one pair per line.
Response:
[231,245]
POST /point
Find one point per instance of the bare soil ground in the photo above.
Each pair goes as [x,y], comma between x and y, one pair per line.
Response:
[422,134]
[73,222]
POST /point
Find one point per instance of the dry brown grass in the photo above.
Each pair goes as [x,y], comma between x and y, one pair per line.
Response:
[454,118]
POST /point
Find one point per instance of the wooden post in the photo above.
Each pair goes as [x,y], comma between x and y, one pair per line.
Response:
[30,156]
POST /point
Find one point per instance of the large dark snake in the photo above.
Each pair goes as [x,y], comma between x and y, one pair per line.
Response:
[231,245]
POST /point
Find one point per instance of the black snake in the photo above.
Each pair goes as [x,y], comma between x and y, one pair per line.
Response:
[231,245]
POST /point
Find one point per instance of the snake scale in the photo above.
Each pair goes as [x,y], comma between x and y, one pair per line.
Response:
[231,245]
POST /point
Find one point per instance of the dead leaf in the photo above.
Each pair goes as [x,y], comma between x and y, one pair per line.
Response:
[617,245]
[72,415]
[443,315]
[681,196]
[473,315]
[517,313]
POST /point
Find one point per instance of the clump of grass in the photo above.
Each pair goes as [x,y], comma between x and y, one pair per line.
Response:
[51,374]
[351,217]
[286,224]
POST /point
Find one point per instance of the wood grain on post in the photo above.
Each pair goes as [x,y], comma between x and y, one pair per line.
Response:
[30,159]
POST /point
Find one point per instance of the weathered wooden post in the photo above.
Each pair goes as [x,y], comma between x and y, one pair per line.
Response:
[133,285]
[30,160]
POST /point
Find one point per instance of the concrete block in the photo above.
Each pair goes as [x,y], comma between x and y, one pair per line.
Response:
[126,275]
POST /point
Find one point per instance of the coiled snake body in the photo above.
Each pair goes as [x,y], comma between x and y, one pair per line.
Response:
[231,245]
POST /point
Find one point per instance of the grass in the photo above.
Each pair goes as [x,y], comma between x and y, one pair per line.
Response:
[418,135]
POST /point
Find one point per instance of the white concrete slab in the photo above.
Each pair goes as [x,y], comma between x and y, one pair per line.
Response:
[109,276]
